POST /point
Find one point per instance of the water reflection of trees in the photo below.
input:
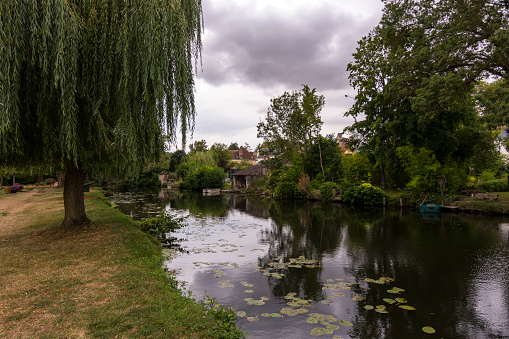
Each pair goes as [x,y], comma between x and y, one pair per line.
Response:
[428,258]
[306,229]
[197,204]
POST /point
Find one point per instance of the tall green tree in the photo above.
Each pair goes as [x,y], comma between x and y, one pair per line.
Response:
[415,74]
[93,85]
[292,120]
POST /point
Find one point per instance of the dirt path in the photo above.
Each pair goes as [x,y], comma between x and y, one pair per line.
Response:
[13,208]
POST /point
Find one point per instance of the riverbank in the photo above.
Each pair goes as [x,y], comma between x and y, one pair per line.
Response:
[104,280]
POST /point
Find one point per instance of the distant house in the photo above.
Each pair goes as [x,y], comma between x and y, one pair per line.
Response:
[502,138]
[244,178]
[242,154]
[163,177]
[342,144]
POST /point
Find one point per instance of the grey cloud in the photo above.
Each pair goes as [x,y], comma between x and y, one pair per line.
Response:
[266,49]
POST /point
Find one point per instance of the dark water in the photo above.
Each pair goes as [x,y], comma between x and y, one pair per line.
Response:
[452,269]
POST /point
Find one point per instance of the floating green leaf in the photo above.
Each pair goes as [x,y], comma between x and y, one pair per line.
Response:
[252,319]
[312,320]
[289,311]
[401,300]
[407,307]
[249,291]
[338,294]
[246,284]
[346,323]
[368,307]
[241,314]
[318,331]
[389,301]
[358,298]
[265,315]
[332,327]
[276,315]
[428,329]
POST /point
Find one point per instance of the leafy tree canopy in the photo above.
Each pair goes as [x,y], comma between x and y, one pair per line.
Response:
[95,84]
[198,146]
[292,120]
[415,74]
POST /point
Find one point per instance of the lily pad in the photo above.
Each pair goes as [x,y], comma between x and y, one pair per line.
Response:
[368,307]
[407,307]
[401,300]
[346,323]
[338,294]
[312,320]
[246,284]
[265,315]
[318,331]
[389,301]
[253,319]
[358,298]
[428,329]
[289,311]
[241,314]
[276,315]
[249,291]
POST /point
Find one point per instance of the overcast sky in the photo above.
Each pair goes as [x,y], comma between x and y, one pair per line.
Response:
[255,50]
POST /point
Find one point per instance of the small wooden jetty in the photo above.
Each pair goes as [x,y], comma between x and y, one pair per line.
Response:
[211,191]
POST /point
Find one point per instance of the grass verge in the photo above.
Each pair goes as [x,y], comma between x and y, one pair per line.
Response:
[104,280]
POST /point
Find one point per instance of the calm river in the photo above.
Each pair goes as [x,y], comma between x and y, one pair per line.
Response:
[303,270]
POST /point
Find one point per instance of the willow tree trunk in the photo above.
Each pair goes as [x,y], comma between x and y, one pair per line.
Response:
[74,200]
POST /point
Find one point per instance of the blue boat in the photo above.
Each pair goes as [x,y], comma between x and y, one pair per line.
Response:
[430,208]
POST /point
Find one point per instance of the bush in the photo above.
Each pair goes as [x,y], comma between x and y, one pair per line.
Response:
[287,187]
[364,194]
[205,177]
[287,190]
[326,190]
[495,186]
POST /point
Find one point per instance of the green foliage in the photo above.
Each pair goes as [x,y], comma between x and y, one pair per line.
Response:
[415,74]
[424,170]
[198,146]
[175,159]
[287,187]
[292,119]
[493,102]
[221,154]
[487,175]
[326,190]
[201,159]
[357,168]
[205,177]
[273,178]
[226,319]
[161,225]
[324,152]
[364,194]
[95,84]
[500,185]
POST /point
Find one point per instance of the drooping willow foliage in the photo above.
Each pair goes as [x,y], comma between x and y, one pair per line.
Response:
[95,83]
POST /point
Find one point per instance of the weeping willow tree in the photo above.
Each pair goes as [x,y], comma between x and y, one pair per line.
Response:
[94,85]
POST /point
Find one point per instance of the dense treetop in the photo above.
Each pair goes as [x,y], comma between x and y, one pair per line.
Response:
[95,83]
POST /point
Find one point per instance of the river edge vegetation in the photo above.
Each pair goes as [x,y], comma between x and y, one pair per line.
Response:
[104,280]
